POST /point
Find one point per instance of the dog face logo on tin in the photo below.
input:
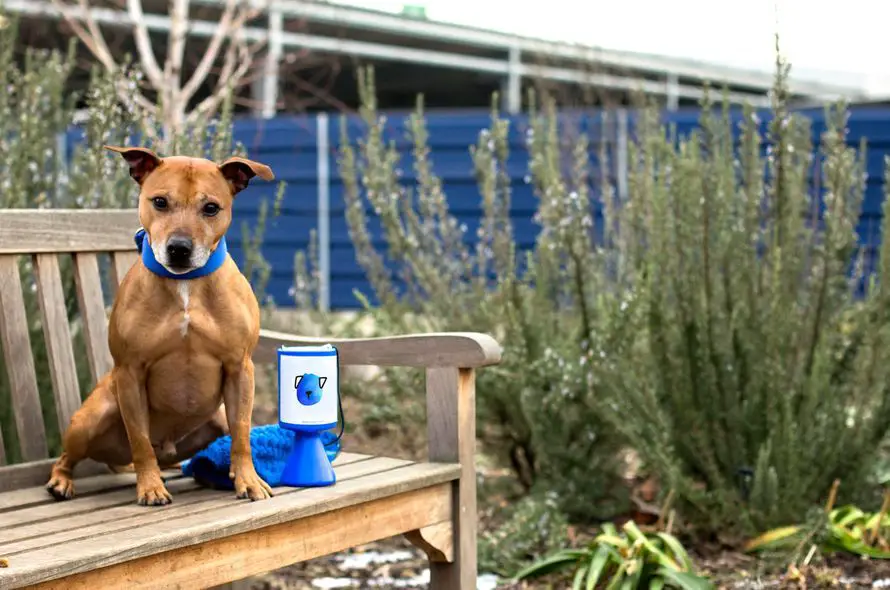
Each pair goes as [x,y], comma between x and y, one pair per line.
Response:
[309,388]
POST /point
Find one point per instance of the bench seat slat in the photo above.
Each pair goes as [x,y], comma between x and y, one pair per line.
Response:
[20,362]
[56,330]
[256,551]
[92,308]
[122,494]
[87,484]
[188,499]
[36,473]
[232,518]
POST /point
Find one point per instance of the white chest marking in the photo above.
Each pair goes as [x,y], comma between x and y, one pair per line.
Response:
[184,295]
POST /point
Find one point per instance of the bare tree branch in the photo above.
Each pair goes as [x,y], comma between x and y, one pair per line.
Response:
[229,78]
[93,38]
[212,52]
[143,43]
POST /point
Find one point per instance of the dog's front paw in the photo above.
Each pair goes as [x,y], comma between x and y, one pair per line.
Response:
[60,486]
[250,485]
[150,491]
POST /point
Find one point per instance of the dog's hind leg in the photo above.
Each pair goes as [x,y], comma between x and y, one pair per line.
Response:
[93,419]
[198,439]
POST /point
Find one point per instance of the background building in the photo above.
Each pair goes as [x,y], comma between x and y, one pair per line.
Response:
[312,50]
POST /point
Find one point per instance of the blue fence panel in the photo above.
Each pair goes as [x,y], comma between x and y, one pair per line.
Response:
[290,145]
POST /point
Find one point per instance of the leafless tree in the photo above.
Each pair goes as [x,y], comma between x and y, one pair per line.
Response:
[174,106]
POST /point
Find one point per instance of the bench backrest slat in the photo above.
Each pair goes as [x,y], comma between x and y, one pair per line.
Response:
[33,231]
[92,309]
[51,240]
[20,362]
[121,263]
[57,333]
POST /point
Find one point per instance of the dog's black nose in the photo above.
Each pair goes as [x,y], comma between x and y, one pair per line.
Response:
[179,250]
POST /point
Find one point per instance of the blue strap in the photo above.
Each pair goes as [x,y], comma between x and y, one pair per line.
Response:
[216,260]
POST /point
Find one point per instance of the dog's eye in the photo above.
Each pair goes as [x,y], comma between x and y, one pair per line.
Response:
[210,209]
[160,203]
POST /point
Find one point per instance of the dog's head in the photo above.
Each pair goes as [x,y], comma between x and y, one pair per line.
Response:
[185,204]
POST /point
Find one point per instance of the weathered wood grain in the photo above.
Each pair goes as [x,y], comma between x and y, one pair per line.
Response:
[35,473]
[268,548]
[20,362]
[56,511]
[189,499]
[451,423]
[457,349]
[436,540]
[33,231]
[92,309]
[171,535]
[90,478]
[121,263]
[57,333]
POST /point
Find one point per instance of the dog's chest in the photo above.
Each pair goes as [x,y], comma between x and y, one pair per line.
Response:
[184,289]
[197,320]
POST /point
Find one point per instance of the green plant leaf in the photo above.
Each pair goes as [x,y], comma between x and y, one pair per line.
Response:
[635,573]
[578,581]
[679,552]
[598,564]
[551,564]
[640,539]
[685,580]
[846,515]
[618,576]
[610,529]
[613,540]
[773,538]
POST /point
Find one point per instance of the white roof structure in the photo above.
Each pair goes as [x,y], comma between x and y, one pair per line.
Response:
[379,36]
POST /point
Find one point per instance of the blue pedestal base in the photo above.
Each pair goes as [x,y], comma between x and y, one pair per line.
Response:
[308,464]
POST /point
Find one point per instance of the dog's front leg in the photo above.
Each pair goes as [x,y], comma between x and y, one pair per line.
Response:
[129,384]
[238,392]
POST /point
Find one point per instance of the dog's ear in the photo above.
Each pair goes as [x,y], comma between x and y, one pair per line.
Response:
[297,380]
[239,171]
[322,381]
[142,161]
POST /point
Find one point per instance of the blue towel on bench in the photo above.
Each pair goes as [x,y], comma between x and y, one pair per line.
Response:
[270,445]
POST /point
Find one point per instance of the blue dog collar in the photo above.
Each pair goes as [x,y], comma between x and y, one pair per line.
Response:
[216,260]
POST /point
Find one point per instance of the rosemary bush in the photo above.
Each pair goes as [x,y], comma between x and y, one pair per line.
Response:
[536,412]
[760,365]
[37,109]
[722,322]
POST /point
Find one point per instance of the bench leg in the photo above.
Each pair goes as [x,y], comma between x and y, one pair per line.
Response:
[451,423]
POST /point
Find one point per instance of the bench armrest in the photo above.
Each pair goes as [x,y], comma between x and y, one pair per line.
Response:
[450,360]
[448,349]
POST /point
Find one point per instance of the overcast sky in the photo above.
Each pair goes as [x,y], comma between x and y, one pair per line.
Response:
[844,40]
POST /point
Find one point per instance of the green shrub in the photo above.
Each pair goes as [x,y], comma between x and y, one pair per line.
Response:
[758,377]
[536,410]
[714,325]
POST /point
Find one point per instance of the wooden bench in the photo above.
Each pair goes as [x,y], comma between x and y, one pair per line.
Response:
[206,538]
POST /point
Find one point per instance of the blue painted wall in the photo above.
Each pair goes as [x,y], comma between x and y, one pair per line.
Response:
[290,146]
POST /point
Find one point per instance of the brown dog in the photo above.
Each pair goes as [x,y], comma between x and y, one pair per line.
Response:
[183,374]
